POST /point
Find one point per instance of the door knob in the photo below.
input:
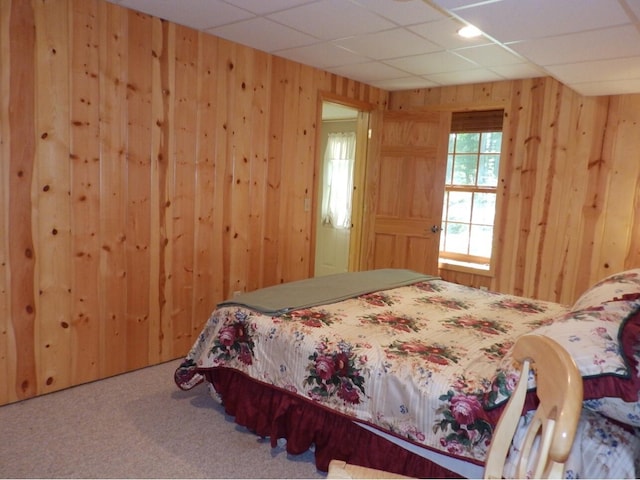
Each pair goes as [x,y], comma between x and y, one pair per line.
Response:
[435,228]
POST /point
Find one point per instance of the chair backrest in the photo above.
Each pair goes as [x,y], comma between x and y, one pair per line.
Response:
[554,424]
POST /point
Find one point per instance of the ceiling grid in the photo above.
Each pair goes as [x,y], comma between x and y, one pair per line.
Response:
[593,46]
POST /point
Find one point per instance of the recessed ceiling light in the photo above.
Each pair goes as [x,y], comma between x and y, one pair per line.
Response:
[469,31]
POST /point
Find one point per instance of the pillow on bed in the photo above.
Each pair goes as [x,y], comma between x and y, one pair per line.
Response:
[604,341]
[629,339]
[595,338]
[623,285]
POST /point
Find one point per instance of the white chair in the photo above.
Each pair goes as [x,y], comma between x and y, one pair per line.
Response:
[554,424]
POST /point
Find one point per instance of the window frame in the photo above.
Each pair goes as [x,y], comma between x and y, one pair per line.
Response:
[466,262]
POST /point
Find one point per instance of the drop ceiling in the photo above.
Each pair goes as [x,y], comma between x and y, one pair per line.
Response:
[593,46]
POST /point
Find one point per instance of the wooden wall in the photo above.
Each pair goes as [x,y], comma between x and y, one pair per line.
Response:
[570,185]
[148,171]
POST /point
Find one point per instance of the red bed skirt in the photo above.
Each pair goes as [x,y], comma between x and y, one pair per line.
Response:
[274,413]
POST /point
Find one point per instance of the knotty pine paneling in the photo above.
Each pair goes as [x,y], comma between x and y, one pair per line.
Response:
[7,353]
[85,191]
[113,24]
[569,187]
[148,171]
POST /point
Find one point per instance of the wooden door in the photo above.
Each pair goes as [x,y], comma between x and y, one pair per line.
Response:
[408,180]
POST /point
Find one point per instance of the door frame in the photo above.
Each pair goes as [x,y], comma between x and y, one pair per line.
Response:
[358,199]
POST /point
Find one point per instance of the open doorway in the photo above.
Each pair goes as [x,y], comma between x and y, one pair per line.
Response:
[341,155]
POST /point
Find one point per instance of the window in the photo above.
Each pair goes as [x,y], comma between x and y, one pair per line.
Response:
[473,164]
[338,179]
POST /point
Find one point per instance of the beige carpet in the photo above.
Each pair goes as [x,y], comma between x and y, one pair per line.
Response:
[136,425]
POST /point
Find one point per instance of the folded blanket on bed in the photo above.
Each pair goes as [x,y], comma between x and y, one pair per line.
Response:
[286,297]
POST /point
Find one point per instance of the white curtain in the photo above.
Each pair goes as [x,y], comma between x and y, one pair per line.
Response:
[338,179]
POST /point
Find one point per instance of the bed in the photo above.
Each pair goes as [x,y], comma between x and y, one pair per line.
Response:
[408,373]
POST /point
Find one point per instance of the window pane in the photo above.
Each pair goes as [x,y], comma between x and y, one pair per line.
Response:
[464,169]
[447,180]
[484,208]
[445,206]
[491,142]
[482,238]
[459,207]
[457,238]
[467,142]
[488,170]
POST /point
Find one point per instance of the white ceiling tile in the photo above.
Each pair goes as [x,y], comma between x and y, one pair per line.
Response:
[262,7]
[624,41]
[332,19]
[197,14]
[511,20]
[520,70]
[490,55]
[614,87]
[374,71]
[405,12]
[406,83]
[262,34]
[466,76]
[398,42]
[431,63]
[322,55]
[457,4]
[445,34]
[598,71]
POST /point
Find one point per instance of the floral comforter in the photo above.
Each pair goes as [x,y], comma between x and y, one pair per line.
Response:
[425,362]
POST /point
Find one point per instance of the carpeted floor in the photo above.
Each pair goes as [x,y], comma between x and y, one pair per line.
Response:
[136,425]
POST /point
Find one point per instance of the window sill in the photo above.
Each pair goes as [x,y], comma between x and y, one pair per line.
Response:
[466,267]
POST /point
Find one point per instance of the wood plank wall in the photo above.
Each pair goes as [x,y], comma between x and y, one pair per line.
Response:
[570,185]
[148,171]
